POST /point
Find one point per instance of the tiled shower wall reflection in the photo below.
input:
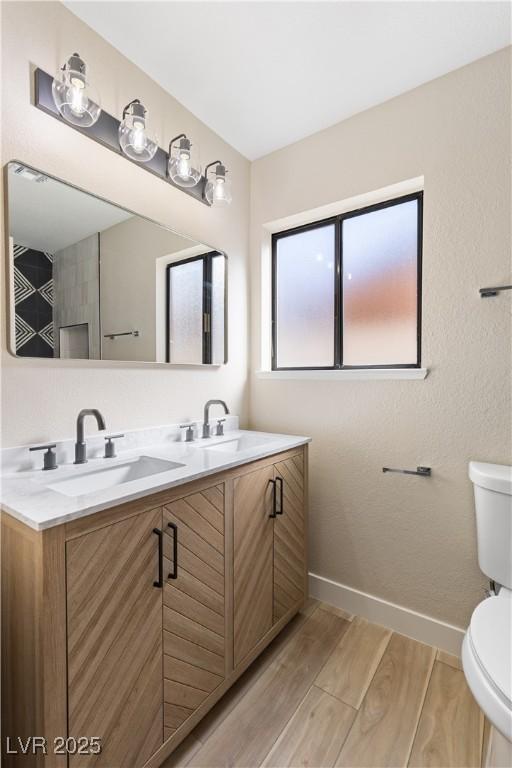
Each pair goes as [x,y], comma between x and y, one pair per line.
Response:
[77,290]
[33,296]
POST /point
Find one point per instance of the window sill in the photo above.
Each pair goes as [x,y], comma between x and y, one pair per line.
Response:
[360,374]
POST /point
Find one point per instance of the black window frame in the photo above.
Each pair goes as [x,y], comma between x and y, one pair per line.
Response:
[338,284]
[207,259]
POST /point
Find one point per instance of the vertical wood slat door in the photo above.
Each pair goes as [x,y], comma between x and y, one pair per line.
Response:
[114,624]
[194,605]
[289,538]
[253,552]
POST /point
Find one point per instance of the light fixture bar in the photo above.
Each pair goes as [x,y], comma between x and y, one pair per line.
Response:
[106,132]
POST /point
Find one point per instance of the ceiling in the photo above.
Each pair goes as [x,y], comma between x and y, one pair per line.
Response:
[51,215]
[266,74]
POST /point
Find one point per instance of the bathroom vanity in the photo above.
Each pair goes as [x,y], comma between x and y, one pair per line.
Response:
[135,589]
[125,618]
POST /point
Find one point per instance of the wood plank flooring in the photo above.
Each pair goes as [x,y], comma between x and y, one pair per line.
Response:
[335,690]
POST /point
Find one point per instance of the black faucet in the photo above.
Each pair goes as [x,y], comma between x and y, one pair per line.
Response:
[80,445]
[206,424]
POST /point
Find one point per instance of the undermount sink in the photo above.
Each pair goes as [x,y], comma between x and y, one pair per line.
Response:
[108,477]
[243,443]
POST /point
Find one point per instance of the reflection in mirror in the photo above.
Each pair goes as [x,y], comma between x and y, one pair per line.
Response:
[195,309]
[92,280]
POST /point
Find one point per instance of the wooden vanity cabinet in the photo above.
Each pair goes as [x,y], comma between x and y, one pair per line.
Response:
[252,556]
[114,640]
[269,550]
[129,624]
[194,615]
[289,569]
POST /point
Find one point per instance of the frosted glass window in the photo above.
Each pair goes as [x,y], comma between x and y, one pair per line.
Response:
[304,298]
[186,312]
[218,309]
[346,291]
[380,279]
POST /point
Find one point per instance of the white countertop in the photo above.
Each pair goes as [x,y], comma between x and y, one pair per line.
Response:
[27,495]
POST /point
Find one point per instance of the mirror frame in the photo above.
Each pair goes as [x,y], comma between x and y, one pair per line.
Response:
[10,299]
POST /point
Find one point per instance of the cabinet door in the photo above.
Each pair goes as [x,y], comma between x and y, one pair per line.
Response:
[253,538]
[114,624]
[194,607]
[289,537]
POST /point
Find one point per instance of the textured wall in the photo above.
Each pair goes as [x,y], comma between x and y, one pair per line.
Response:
[44,35]
[408,540]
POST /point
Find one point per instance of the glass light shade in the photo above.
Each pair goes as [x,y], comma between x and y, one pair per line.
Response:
[134,139]
[76,99]
[184,165]
[218,189]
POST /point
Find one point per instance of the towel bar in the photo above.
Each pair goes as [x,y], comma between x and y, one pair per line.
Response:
[494,290]
[125,333]
[421,471]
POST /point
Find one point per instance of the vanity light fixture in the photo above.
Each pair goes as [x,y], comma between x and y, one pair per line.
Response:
[69,96]
[134,139]
[217,190]
[75,98]
[184,167]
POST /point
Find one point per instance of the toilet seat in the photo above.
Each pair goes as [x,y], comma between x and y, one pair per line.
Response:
[487,660]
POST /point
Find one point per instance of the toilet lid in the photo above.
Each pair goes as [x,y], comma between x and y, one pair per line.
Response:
[491,638]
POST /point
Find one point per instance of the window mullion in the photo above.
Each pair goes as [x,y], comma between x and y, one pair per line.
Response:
[338,299]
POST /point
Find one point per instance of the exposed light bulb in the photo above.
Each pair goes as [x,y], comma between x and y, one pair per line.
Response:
[134,139]
[219,193]
[184,167]
[218,189]
[75,98]
[184,164]
[138,137]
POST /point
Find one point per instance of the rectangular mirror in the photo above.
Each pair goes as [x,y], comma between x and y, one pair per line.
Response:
[90,280]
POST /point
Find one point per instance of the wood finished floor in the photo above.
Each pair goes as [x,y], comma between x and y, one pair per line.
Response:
[335,690]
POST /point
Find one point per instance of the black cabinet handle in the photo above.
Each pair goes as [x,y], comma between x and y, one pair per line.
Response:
[174,572]
[160,582]
[281,500]
[274,498]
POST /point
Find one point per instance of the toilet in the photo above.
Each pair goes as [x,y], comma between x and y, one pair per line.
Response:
[487,645]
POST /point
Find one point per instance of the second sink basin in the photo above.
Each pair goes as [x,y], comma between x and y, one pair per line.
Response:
[108,477]
[242,443]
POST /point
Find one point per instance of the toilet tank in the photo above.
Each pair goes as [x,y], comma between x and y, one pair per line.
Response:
[493,505]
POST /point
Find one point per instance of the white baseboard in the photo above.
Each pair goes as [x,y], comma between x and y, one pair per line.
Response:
[395,617]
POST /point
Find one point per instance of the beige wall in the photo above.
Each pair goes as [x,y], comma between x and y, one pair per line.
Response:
[129,300]
[44,34]
[408,540]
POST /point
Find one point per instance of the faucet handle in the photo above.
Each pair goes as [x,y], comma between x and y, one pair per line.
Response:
[220,427]
[110,448]
[50,458]
[189,434]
